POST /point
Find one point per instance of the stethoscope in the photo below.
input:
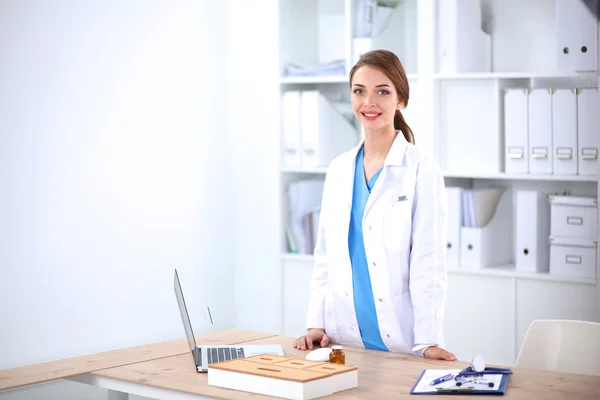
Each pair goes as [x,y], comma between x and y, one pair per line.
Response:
[478,368]
[475,372]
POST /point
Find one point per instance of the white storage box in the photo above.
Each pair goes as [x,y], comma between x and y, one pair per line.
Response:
[573,257]
[574,216]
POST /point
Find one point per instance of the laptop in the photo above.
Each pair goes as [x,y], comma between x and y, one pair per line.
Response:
[205,355]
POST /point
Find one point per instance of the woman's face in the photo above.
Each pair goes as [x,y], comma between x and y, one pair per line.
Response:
[374,98]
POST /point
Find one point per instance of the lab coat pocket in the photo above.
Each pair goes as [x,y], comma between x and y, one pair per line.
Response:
[334,241]
[397,224]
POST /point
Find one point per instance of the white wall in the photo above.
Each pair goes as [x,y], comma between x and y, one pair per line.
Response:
[114,165]
[254,60]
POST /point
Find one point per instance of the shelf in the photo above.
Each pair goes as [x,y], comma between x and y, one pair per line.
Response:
[523,177]
[292,80]
[308,80]
[509,271]
[305,258]
[512,75]
[464,175]
[300,170]
[506,271]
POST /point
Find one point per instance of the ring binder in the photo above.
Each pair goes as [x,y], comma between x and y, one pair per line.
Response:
[532,230]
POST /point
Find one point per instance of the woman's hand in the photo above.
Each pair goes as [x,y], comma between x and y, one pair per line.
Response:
[437,353]
[313,335]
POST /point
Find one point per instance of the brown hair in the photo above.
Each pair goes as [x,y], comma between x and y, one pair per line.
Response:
[388,63]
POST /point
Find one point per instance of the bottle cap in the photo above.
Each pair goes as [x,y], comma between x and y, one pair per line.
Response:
[336,347]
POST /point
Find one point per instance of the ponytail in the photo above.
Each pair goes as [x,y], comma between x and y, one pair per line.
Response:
[400,124]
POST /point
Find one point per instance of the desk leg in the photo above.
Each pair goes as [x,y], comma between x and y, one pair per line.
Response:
[114,395]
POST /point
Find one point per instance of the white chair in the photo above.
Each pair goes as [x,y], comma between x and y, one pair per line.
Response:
[562,345]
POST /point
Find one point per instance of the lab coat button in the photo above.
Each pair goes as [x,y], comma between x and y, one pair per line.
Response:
[374,264]
[346,294]
[380,299]
[352,328]
[370,228]
[387,334]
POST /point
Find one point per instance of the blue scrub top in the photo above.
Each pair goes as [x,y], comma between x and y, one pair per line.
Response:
[364,303]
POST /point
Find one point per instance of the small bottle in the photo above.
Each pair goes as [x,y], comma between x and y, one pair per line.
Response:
[337,356]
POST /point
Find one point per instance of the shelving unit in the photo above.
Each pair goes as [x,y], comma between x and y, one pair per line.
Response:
[523,177]
[454,115]
[509,271]
[309,80]
[506,271]
[511,75]
[300,170]
[466,175]
[317,80]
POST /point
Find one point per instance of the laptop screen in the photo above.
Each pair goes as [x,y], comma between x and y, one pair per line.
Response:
[183,311]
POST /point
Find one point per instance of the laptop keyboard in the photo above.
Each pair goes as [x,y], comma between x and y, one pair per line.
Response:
[218,354]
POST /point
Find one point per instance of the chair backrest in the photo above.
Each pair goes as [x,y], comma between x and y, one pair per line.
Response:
[562,345]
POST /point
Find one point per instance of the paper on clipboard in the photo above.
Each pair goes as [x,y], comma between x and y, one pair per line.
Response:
[423,385]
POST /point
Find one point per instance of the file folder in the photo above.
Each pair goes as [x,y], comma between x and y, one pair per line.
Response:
[587,131]
[463,45]
[576,36]
[516,160]
[564,132]
[540,132]
[304,197]
[489,245]
[325,133]
[454,195]
[532,231]
[468,219]
[290,128]
[484,204]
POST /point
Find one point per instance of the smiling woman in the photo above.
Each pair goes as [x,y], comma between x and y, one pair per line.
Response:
[379,278]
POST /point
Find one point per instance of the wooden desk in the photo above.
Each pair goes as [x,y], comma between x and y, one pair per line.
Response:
[38,373]
[165,370]
[381,375]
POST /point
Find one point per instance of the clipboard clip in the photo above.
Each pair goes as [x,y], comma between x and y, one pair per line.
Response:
[456,389]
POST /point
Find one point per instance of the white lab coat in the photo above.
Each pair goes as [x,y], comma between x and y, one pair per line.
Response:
[404,228]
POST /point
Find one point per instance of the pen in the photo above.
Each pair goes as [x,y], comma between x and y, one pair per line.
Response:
[441,379]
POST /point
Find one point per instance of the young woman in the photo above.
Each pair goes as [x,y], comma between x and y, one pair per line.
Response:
[379,277]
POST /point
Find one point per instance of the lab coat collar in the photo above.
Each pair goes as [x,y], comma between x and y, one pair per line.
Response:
[395,155]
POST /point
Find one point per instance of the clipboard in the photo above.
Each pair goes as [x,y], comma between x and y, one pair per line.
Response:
[422,386]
